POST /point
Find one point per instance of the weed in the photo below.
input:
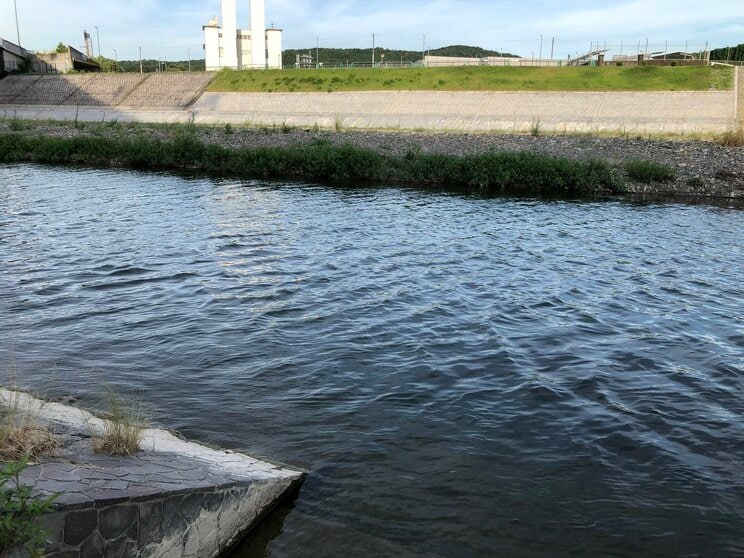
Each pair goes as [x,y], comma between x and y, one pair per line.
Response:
[649,171]
[733,137]
[338,124]
[535,128]
[228,129]
[122,429]
[19,534]
[17,125]
[22,435]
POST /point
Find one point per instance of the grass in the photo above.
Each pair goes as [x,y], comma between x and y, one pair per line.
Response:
[608,78]
[649,171]
[495,172]
[122,429]
[733,137]
[22,435]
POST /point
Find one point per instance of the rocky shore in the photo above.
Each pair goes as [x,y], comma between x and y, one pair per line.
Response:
[703,168]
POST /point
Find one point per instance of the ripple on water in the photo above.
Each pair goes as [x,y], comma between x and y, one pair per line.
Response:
[463,376]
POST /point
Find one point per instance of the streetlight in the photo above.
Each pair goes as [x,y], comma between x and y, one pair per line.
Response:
[18,29]
[116,59]
[98,38]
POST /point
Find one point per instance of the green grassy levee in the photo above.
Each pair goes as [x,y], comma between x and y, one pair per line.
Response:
[607,78]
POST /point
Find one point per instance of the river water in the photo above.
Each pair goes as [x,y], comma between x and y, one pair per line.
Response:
[461,376]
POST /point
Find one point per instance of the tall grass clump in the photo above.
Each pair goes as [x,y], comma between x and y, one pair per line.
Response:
[122,429]
[523,172]
[733,137]
[649,171]
[23,436]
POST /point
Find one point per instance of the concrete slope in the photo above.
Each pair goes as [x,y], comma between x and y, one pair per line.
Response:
[174,498]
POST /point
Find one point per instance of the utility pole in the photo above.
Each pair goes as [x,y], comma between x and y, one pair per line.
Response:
[18,29]
[116,59]
[190,57]
[373,50]
[98,39]
[317,52]
[552,48]
[140,50]
[541,45]
[423,52]
[646,51]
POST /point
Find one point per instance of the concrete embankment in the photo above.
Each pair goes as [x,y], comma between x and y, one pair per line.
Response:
[169,98]
[173,498]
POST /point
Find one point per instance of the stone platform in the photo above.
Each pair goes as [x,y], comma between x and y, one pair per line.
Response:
[174,498]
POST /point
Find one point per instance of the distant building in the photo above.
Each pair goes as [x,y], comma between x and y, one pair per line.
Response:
[226,46]
[16,59]
[72,60]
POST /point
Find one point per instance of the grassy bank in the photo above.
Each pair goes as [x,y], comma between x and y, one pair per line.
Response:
[609,78]
[528,173]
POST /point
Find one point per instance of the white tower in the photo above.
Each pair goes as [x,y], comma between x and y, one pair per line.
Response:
[258,34]
[229,58]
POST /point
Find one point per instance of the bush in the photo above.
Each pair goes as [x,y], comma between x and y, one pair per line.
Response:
[521,173]
[649,171]
[18,512]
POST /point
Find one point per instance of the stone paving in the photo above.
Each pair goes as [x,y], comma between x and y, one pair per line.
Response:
[174,498]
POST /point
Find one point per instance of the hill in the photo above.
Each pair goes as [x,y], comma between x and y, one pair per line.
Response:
[733,54]
[477,78]
[343,56]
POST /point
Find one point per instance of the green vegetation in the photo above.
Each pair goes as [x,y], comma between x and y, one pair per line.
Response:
[18,512]
[472,78]
[22,435]
[728,54]
[649,171]
[61,48]
[345,56]
[122,429]
[519,173]
[733,137]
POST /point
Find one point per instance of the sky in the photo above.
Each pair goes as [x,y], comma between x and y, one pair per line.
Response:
[169,29]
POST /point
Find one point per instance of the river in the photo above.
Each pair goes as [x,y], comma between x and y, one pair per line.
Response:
[460,375]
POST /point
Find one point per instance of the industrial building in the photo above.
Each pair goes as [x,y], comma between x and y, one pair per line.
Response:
[226,46]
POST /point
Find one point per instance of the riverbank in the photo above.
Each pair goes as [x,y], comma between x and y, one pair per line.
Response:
[169,497]
[514,163]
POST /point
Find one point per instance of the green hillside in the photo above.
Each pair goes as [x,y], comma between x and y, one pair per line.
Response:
[343,56]
[733,54]
[478,78]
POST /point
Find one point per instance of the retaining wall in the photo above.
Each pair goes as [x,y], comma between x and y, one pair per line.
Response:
[137,91]
[181,98]
[739,92]
[173,498]
[673,112]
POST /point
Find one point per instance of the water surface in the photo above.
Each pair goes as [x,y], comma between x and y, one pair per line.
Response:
[461,376]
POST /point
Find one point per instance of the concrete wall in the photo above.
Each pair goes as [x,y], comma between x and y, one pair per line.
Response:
[672,112]
[173,498]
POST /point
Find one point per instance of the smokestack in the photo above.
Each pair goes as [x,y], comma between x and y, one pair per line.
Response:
[229,34]
[258,33]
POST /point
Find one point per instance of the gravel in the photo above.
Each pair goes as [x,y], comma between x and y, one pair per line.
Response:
[703,168]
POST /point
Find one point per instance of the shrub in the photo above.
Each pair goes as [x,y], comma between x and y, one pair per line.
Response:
[18,511]
[122,429]
[733,137]
[649,171]
[21,433]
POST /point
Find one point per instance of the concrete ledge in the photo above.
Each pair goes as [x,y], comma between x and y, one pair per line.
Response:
[521,112]
[174,498]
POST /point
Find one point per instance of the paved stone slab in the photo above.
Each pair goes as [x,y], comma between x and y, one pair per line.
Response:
[158,502]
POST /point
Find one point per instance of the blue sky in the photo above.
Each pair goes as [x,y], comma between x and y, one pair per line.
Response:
[168,28]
